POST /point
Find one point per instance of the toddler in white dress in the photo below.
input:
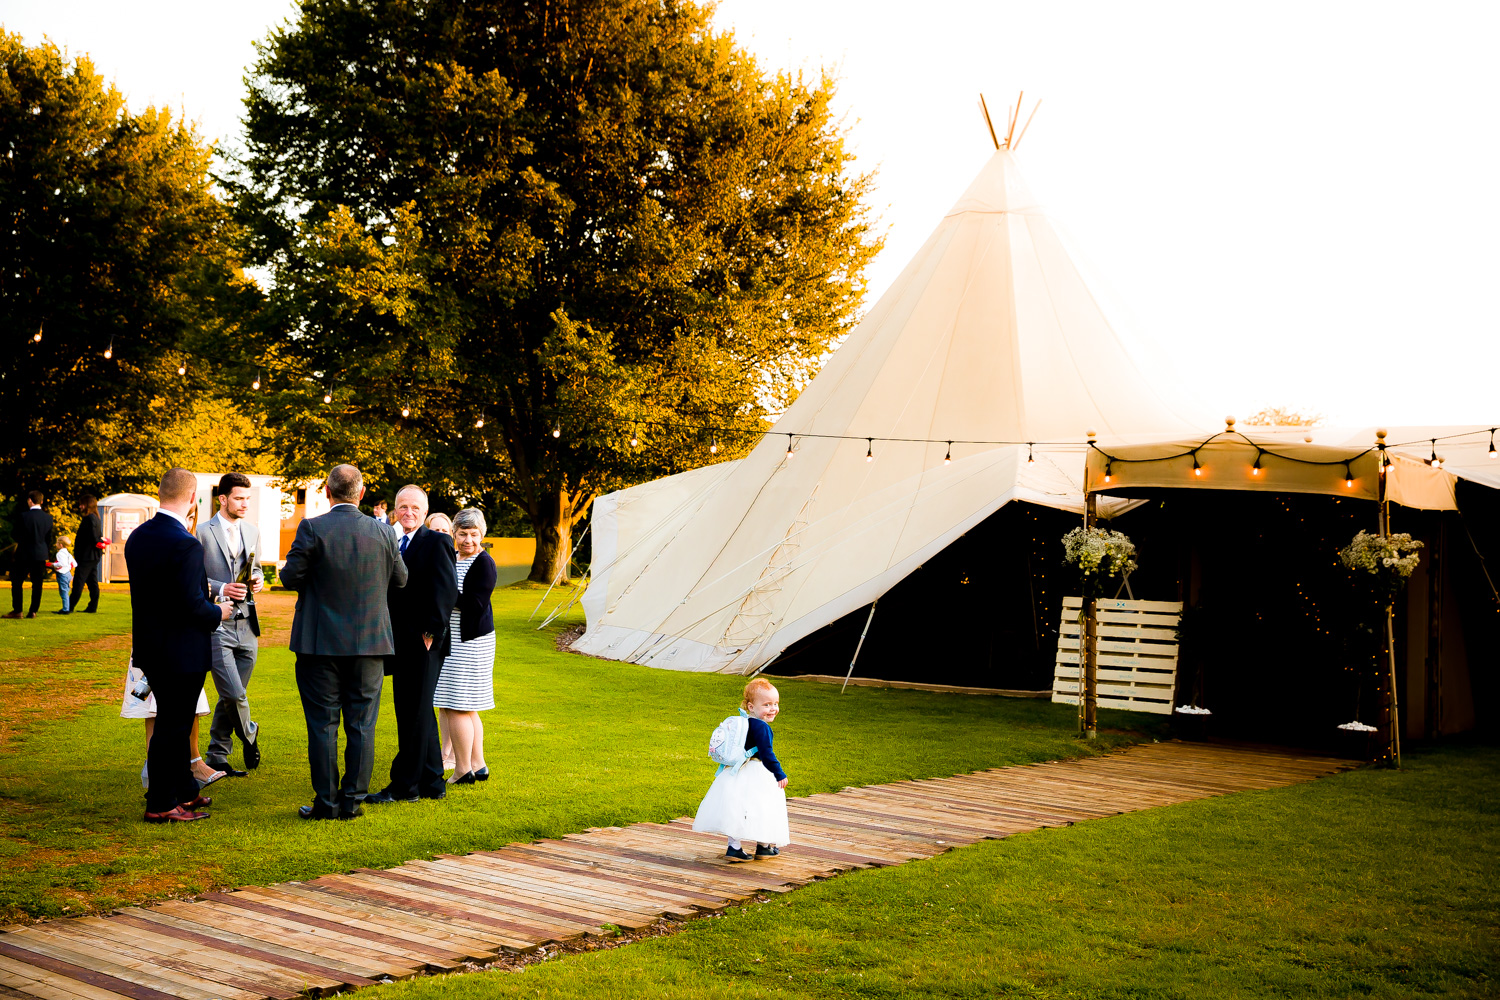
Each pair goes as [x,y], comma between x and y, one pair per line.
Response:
[747,803]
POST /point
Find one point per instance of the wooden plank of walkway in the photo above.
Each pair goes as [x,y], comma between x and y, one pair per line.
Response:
[349,930]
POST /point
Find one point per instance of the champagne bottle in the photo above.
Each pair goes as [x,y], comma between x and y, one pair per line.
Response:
[244,576]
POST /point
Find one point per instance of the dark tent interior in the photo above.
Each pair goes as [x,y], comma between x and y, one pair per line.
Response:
[1278,639]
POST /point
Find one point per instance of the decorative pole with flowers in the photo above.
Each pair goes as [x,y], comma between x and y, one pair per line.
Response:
[1099,554]
[1385,561]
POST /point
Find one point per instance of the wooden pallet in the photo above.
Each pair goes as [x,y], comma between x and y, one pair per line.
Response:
[350,930]
[1137,654]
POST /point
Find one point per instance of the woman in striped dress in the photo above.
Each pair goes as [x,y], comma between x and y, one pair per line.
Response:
[466,685]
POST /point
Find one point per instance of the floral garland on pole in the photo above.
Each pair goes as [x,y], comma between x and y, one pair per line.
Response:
[1387,560]
[1099,554]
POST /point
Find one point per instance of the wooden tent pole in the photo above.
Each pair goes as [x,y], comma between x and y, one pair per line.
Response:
[991,125]
[1389,708]
[1090,640]
[860,645]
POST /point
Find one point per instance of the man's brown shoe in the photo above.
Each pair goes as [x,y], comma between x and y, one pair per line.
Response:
[13,614]
[176,814]
[201,802]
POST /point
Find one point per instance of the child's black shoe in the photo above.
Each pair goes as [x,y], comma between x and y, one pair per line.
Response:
[735,854]
[766,851]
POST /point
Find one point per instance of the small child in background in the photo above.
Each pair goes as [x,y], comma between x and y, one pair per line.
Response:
[65,564]
[747,801]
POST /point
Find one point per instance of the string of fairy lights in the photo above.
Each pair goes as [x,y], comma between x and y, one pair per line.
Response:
[715,431]
[1257,468]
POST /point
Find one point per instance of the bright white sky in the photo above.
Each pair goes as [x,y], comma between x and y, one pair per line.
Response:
[1294,202]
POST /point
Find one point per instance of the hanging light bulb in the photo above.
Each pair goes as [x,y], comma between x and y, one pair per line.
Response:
[1109,471]
[479,423]
[557,430]
[869,449]
[948,456]
[1492,443]
[713,449]
[635,438]
[1197,469]
[1348,477]
[109,351]
[1434,461]
[37,337]
[788,446]
[256,383]
[406,411]
[1255,469]
[182,369]
[1030,455]
[328,395]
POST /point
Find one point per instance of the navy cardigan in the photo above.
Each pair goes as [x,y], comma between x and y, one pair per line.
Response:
[475,618]
[759,737]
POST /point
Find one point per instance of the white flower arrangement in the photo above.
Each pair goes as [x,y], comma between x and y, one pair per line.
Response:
[1193,710]
[1099,551]
[1382,554]
[1357,727]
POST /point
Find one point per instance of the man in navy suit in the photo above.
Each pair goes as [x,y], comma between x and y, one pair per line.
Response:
[172,629]
[33,536]
[419,631]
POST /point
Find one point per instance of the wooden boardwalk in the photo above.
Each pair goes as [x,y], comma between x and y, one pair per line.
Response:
[341,932]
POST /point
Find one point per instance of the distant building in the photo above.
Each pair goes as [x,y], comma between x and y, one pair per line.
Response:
[274,511]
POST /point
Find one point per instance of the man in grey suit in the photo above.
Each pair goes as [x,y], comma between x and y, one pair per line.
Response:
[341,565]
[231,554]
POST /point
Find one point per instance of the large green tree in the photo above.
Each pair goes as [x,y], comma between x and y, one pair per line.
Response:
[507,237]
[112,255]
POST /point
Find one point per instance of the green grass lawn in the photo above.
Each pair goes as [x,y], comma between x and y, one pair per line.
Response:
[1368,884]
[573,743]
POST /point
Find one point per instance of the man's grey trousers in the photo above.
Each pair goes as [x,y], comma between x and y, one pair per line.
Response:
[234,651]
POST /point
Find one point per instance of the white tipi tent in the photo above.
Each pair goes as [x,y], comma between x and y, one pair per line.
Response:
[990,339]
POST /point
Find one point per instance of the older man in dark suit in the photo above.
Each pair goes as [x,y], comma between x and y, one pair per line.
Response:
[341,565]
[172,620]
[419,622]
[33,550]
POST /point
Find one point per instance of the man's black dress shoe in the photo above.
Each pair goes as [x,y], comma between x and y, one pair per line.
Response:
[229,772]
[351,814]
[440,795]
[62,612]
[313,812]
[252,753]
[384,797]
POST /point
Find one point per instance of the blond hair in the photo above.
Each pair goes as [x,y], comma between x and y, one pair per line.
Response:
[65,540]
[754,688]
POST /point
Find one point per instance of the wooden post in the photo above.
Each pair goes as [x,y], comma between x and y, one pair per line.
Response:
[1389,720]
[1090,642]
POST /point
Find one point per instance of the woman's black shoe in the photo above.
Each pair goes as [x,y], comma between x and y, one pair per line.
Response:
[467,779]
[483,774]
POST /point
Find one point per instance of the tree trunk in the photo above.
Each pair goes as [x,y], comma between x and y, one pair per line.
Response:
[553,523]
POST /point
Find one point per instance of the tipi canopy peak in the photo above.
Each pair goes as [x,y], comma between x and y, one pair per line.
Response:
[1013,115]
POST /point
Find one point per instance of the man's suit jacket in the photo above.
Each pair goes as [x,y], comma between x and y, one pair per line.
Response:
[173,618]
[341,565]
[33,535]
[87,538]
[221,565]
[426,602]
